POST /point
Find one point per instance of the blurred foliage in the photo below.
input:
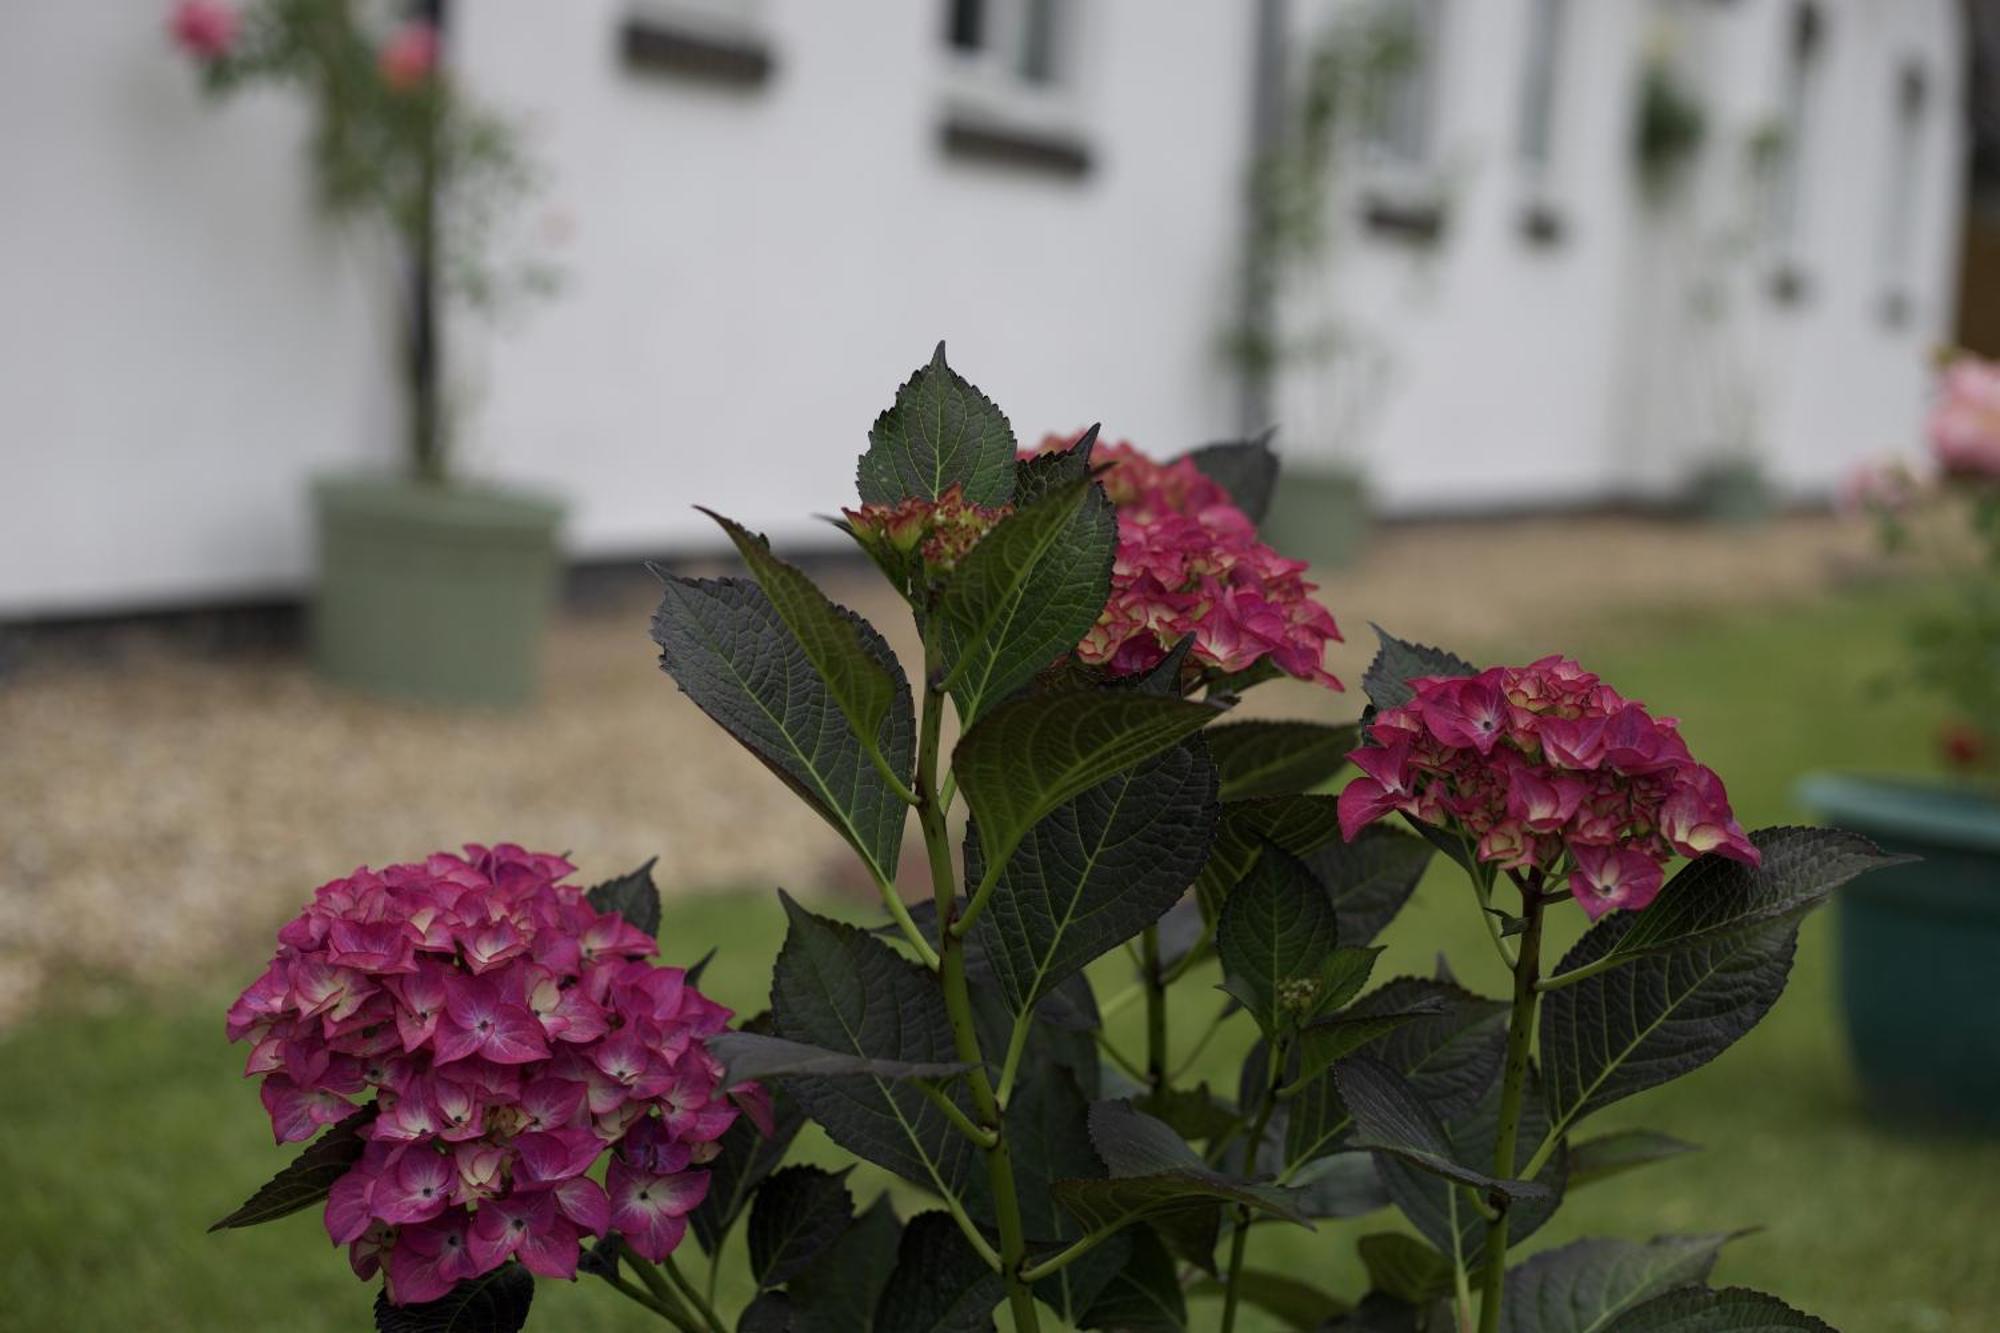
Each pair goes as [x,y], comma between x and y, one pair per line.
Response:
[1669,128]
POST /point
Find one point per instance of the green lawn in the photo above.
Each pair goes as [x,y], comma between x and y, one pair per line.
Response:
[123,1133]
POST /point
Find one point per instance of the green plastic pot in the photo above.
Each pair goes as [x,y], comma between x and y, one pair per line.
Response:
[1319,517]
[1920,945]
[434,593]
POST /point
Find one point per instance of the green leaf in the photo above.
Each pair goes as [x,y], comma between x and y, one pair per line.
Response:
[1337,1036]
[1276,934]
[838,988]
[1260,758]
[797,1216]
[1621,1150]
[1390,1118]
[746,1159]
[1370,878]
[1026,595]
[1247,469]
[1342,1184]
[1295,1304]
[747,1056]
[1584,1286]
[939,1285]
[1298,824]
[1396,664]
[1095,872]
[1145,1295]
[940,432]
[866,688]
[1715,898]
[1028,756]
[731,652]
[1730,1310]
[309,1177]
[495,1302]
[1037,475]
[1048,1124]
[633,896]
[1659,1015]
[1196,1114]
[839,1292]
[1404,1267]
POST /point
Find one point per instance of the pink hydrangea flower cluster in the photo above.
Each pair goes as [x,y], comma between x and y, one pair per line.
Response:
[938,533]
[205,29]
[410,55]
[1189,562]
[508,1034]
[1546,769]
[1964,424]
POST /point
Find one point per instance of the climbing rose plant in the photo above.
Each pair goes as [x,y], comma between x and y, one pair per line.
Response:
[505,1085]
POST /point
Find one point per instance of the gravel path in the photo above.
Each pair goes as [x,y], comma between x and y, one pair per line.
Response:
[161,809]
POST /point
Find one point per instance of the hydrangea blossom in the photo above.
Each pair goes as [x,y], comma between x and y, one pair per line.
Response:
[919,534]
[1964,425]
[1544,768]
[1189,562]
[205,29]
[508,1034]
[409,56]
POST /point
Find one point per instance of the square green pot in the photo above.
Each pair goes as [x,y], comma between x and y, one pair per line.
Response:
[433,593]
[1319,517]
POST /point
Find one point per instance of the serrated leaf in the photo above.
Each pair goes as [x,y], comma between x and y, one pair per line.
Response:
[1164,676]
[1369,878]
[797,1216]
[309,1176]
[730,651]
[1260,758]
[1715,898]
[495,1302]
[633,896]
[1025,595]
[838,988]
[864,686]
[1095,872]
[1247,469]
[1621,1150]
[939,1285]
[1584,1286]
[1294,1303]
[1028,756]
[1730,1310]
[1657,1016]
[1048,1124]
[1390,1118]
[1341,1184]
[746,1158]
[1196,1114]
[1298,824]
[839,1292]
[1337,1036]
[1404,1267]
[1144,1296]
[1396,664]
[1040,473]
[940,432]
[1275,937]
[748,1056]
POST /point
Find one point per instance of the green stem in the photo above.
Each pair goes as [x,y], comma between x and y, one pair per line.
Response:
[1156,1008]
[1075,1250]
[1520,1037]
[715,1264]
[1119,1058]
[1200,1045]
[631,1293]
[1274,1068]
[962,1122]
[899,912]
[1576,974]
[693,1297]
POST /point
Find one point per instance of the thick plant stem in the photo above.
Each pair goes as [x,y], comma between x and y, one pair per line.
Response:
[958,1004]
[1520,1036]
[1156,1008]
[1274,1065]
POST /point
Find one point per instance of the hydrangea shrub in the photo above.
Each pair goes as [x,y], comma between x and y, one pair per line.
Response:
[502,1084]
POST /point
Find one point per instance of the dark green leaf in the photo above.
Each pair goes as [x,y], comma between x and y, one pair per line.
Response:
[1338,1036]
[1379,1312]
[1048,1125]
[940,1285]
[748,1056]
[1145,1295]
[1165,675]
[940,432]
[1095,872]
[1193,1113]
[1390,1118]
[1275,937]
[836,987]
[1404,1267]
[1295,1304]
[840,1291]
[1299,824]
[1396,664]
[864,686]
[1038,474]
[1619,1151]
[1715,898]
[1259,758]
[1342,1184]
[633,896]
[1026,595]
[1730,1310]
[495,1302]
[747,1157]
[309,1176]
[1028,756]
[730,651]
[1370,878]
[1247,469]
[797,1215]
[1583,1286]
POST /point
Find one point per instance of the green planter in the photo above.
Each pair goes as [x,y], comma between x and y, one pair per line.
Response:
[1731,491]
[1319,517]
[1920,945]
[433,593]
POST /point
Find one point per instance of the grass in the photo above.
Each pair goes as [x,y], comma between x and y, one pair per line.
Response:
[126,1129]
